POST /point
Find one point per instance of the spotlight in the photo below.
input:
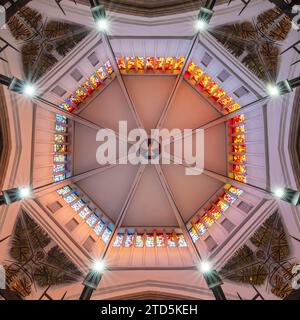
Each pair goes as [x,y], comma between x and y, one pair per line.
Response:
[201,25]
[102,24]
[205,267]
[279,193]
[273,90]
[99,266]
[24,192]
[29,90]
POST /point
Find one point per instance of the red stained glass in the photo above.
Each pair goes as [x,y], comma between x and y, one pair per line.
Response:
[239,139]
[150,63]
[233,107]
[205,80]
[140,63]
[159,64]
[88,87]
[218,94]
[197,74]
[216,213]
[179,64]
[169,63]
[191,67]
[226,101]
[207,220]
[238,119]
[240,178]
[121,63]
[238,158]
[239,129]
[239,168]
[211,87]
[130,61]
[239,149]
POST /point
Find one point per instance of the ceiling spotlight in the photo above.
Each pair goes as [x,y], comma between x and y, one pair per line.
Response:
[279,193]
[205,267]
[273,90]
[201,25]
[29,90]
[24,192]
[99,266]
[102,24]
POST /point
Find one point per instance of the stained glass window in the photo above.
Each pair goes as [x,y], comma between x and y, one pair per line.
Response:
[239,148]
[211,88]
[82,93]
[66,106]
[64,190]
[58,168]
[59,177]
[60,128]
[78,205]
[150,63]
[101,73]
[159,63]
[160,240]
[193,234]
[140,63]
[85,212]
[229,198]
[226,101]
[139,241]
[171,242]
[215,213]
[150,240]
[119,240]
[60,158]
[197,74]
[239,139]
[60,118]
[88,87]
[129,240]
[121,63]
[92,219]
[181,240]
[59,138]
[108,67]
[204,81]
[130,63]
[239,177]
[179,63]
[238,119]
[233,107]
[99,227]
[200,227]
[239,158]
[95,81]
[235,190]
[191,67]
[169,65]
[218,94]
[223,205]
[208,220]
[60,148]
[71,197]
[239,129]
[106,234]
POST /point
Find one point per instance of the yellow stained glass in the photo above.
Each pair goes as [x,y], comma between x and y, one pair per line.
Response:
[211,87]
[121,63]
[130,61]
[140,63]
[191,67]
[159,63]
[239,149]
[169,65]
[218,94]
[226,101]
[239,139]
[205,80]
[197,74]
[179,64]
[150,63]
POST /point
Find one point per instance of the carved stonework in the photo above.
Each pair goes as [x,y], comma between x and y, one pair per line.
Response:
[36,261]
[264,259]
[255,43]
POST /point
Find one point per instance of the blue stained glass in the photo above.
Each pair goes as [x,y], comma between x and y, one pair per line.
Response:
[193,234]
[129,240]
[60,118]
[181,241]
[99,227]
[59,177]
[78,205]
[119,240]
[85,212]
[71,197]
[106,234]
[60,128]
[64,190]
[92,219]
